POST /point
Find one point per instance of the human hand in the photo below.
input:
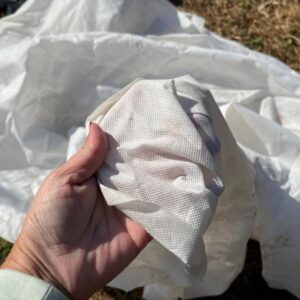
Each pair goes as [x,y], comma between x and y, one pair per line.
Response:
[71,237]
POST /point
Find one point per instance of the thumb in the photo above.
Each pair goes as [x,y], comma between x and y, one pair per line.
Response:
[89,158]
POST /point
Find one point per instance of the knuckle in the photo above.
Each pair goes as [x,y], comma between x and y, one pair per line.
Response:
[52,176]
[57,177]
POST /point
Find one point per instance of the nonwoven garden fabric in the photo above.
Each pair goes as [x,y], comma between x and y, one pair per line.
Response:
[60,59]
[161,168]
[168,146]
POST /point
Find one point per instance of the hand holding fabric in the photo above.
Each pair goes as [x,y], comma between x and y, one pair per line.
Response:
[70,236]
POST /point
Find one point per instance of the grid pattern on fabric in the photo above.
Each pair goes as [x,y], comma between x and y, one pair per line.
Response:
[162,155]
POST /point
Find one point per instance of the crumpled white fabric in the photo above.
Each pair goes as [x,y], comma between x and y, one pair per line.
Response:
[162,164]
[168,146]
[60,59]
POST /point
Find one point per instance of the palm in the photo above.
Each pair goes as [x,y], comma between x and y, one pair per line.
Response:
[92,242]
[115,242]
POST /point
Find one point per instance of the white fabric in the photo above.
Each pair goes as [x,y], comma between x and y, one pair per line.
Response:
[60,59]
[167,144]
[161,169]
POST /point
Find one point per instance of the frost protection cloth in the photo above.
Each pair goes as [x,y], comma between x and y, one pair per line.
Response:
[168,143]
[162,165]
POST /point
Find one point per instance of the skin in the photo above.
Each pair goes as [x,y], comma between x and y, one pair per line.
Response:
[70,236]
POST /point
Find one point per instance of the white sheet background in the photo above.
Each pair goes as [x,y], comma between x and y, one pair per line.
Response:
[60,59]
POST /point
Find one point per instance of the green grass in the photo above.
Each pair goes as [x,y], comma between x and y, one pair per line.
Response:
[5,248]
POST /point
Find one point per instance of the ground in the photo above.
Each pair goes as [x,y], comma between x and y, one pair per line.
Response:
[269,26]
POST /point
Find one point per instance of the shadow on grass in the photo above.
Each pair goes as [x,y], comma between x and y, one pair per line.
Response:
[250,285]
